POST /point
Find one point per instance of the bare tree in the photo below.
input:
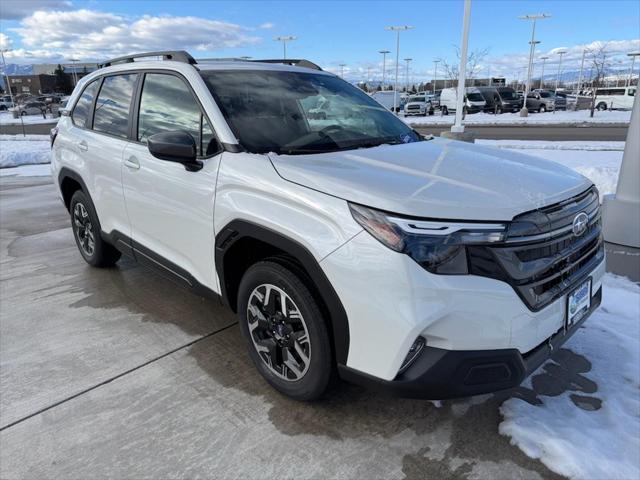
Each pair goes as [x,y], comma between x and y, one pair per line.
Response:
[474,62]
[599,67]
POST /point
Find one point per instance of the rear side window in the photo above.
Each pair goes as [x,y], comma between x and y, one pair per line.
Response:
[167,104]
[82,110]
[112,108]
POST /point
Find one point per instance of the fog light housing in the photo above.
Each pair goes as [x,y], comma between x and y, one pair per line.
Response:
[414,352]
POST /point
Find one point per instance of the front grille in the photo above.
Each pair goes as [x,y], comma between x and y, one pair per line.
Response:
[542,258]
[413,107]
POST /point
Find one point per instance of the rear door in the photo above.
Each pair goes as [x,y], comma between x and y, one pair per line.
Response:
[171,208]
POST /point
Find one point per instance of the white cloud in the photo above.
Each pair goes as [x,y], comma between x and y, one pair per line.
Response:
[93,35]
[267,25]
[16,9]
[5,41]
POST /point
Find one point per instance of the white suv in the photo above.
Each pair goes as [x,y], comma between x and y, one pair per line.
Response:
[348,245]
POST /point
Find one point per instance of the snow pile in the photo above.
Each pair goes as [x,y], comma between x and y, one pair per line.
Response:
[6,118]
[577,117]
[18,150]
[43,170]
[598,161]
[591,443]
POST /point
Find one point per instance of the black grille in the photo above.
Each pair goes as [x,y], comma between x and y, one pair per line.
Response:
[543,258]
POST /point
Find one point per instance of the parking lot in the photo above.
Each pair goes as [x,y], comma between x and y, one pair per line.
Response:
[120,373]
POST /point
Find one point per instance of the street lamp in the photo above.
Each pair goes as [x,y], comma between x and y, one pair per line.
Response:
[397,29]
[534,18]
[75,75]
[544,61]
[584,52]
[6,76]
[284,41]
[384,64]
[342,65]
[633,56]
[435,74]
[407,75]
[561,53]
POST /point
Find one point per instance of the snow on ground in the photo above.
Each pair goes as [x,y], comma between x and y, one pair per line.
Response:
[6,118]
[18,150]
[588,443]
[42,170]
[598,161]
[549,118]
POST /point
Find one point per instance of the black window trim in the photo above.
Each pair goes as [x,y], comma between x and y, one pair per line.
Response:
[133,133]
[131,104]
[91,106]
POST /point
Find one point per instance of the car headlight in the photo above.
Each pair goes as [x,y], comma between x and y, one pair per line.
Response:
[438,246]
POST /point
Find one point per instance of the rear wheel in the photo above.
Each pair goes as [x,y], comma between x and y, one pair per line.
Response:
[86,231]
[445,110]
[286,334]
[602,106]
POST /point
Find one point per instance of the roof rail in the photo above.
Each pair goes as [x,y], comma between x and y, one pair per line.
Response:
[175,55]
[293,62]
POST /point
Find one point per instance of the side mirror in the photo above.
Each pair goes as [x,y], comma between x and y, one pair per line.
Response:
[175,146]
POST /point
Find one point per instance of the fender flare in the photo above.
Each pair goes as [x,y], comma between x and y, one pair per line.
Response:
[66,172]
[239,229]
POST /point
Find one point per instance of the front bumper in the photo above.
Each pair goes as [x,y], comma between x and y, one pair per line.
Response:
[440,374]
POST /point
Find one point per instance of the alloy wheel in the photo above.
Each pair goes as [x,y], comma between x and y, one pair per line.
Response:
[278,332]
[84,229]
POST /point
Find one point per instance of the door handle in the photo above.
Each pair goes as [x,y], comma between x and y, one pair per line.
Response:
[132,163]
[83,146]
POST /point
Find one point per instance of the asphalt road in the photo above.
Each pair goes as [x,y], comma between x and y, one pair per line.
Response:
[605,132]
[119,373]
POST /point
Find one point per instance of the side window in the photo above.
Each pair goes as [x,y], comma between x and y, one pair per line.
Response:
[112,108]
[167,104]
[631,92]
[81,111]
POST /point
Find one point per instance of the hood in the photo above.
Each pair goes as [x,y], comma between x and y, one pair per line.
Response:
[439,178]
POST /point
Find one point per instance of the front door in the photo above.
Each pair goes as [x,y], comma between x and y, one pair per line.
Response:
[171,208]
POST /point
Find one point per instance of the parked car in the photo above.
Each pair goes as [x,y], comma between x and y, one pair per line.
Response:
[500,99]
[5,102]
[425,266]
[619,98]
[473,100]
[419,104]
[434,98]
[386,99]
[559,99]
[540,102]
[30,108]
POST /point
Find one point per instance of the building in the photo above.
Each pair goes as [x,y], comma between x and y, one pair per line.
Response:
[32,84]
[80,69]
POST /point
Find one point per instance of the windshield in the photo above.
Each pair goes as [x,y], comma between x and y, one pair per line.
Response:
[475,97]
[508,94]
[545,94]
[297,112]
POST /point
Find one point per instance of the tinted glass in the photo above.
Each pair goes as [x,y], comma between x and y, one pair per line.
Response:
[112,108]
[82,109]
[295,113]
[167,104]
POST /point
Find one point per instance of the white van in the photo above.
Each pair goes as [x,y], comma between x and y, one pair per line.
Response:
[473,101]
[616,98]
[385,98]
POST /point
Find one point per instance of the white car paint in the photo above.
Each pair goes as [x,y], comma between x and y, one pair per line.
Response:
[389,299]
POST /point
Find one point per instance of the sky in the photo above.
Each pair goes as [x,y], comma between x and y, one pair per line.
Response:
[328,33]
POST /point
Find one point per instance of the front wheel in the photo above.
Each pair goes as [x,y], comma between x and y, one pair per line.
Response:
[286,333]
[445,110]
[602,106]
[86,231]
[542,109]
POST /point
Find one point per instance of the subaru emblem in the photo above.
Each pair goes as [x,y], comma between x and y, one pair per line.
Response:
[580,223]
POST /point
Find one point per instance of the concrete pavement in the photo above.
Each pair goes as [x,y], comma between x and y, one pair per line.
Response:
[119,373]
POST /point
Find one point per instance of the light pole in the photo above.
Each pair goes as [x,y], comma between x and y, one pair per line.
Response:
[407,75]
[384,64]
[534,18]
[457,127]
[633,56]
[284,41]
[342,65]
[75,75]
[544,61]
[435,74]
[397,29]
[561,53]
[584,52]
[6,76]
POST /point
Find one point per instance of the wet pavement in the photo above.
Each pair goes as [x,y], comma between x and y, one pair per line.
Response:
[119,373]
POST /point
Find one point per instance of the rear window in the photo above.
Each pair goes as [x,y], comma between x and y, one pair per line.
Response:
[82,110]
[112,107]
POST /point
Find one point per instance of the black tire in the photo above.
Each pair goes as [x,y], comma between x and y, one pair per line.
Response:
[602,106]
[542,109]
[101,254]
[3,108]
[499,110]
[23,113]
[445,110]
[318,372]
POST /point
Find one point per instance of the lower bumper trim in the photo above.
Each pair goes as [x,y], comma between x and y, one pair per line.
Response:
[441,374]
